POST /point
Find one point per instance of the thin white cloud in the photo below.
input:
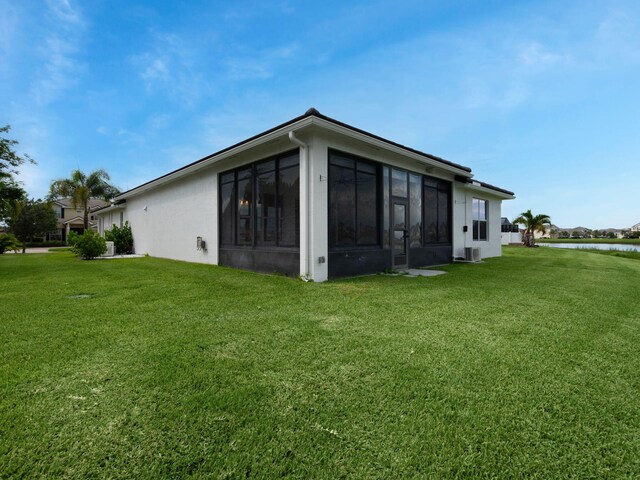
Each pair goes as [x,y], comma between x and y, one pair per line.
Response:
[262,64]
[170,66]
[60,49]
[160,121]
[65,12]
[536,55]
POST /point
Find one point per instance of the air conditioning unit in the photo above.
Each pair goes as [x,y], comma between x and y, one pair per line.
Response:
[111,250]
[472,254]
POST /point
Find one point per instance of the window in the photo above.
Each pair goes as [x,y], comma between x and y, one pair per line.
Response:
[437,211]
[260,204]
[415,210]
[288,206]
[398,183]
[386,205]
[353,202]
[479,214]
[266,203]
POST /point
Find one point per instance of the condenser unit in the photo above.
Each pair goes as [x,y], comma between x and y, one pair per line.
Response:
[472,254]
[111,250]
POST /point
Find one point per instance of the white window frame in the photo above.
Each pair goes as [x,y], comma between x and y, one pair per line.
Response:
[475,234]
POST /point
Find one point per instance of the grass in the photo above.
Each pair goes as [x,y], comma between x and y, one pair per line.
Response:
[628,241]
[614,253]
[523,366]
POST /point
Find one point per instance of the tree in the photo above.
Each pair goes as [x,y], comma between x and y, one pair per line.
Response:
[81,187]
[10,188]
[564,234]
[31,219]
[532,223]
[8,242]
[575,234]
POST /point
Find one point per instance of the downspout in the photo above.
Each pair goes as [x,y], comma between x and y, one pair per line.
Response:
[304,161]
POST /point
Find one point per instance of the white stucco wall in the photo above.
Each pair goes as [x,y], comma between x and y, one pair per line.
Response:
[463,194]
[166,221]
[108,219]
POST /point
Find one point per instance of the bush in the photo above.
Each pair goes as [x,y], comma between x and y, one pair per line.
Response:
[88,246]
[8,242]
[121,237]
[72,238]
[48,243]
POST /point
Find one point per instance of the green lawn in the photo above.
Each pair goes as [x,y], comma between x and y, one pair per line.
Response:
[524,366]
[628,241]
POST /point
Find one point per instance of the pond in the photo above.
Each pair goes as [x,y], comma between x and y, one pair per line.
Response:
[596,246]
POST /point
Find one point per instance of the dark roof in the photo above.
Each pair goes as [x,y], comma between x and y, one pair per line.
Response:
[462,179]
[505,221]
[312,112]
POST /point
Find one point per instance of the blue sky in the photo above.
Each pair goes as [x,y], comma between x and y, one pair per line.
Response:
[542,98]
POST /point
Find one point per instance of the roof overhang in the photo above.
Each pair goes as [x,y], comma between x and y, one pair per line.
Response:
[312,119]
[486,189]
[382,144]
[109,208]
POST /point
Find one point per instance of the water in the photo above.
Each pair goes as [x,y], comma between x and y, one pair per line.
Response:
[596,246]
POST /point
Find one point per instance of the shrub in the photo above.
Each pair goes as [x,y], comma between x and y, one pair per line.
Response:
[72,238]
[48,243]
[89,245]
[8,241]
[121,237]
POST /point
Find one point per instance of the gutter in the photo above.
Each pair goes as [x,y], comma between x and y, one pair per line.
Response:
[306,185]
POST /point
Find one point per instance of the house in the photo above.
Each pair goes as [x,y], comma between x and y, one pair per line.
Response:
[109,215]
[635,228]
[71,218]
[509,232]
[318,198]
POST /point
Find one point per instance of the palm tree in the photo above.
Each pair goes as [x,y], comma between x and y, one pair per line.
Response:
[81,187]
[532,223]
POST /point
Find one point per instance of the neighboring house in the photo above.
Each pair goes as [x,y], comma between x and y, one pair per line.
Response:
[71,218]
[318,198]
[510,232]
[635,228]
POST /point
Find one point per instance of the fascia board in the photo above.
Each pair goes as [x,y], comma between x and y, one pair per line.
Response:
[487,191]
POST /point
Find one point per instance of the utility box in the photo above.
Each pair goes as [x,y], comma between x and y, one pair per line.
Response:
[111,250]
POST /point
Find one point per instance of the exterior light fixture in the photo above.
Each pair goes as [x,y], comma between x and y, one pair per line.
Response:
[201,244]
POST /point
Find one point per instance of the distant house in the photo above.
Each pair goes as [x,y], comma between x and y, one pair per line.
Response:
[635,228]
[314,197]
[71,218]
[510,232]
